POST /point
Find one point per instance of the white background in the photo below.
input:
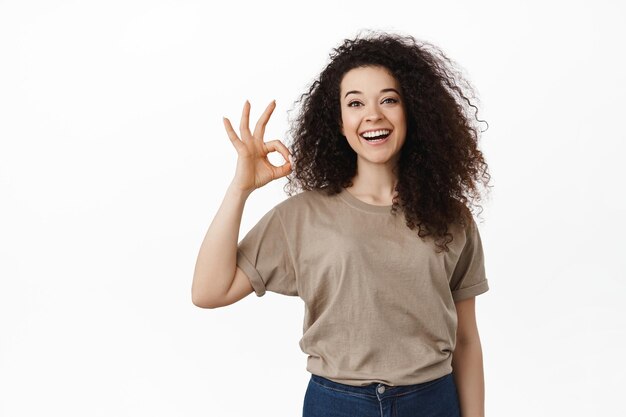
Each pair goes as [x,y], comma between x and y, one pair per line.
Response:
[114,160]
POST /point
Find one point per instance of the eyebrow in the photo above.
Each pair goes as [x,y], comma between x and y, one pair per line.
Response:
[384,90]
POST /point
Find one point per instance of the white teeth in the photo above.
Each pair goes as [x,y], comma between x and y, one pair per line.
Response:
[376,133]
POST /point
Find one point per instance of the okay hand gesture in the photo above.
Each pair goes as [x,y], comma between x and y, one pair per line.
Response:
[254,170]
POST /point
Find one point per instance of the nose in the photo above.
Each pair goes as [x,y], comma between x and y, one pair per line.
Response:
[374,114]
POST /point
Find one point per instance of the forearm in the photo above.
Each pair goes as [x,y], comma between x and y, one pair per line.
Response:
[467,364]
[216,263]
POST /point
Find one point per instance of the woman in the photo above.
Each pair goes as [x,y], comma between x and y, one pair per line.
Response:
[386,157]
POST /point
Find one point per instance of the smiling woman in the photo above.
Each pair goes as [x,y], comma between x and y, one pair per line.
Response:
[381,147]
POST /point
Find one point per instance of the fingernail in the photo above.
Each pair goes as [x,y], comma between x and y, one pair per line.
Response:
[291,160]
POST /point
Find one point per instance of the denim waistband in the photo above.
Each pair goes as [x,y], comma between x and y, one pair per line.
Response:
[376,390]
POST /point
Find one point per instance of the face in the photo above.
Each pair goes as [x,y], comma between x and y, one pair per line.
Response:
[371,102]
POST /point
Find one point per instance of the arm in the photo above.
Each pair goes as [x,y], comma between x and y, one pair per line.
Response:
[216,264]
[216,279]
[467,361]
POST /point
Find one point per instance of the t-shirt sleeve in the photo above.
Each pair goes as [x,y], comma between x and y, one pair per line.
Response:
[468,278]
[264,255]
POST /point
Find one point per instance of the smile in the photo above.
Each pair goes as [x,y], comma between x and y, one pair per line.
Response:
[376,138]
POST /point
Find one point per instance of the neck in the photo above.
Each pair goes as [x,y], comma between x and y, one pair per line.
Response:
[375,181]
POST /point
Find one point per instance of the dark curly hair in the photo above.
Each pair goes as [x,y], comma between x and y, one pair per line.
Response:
[439,163]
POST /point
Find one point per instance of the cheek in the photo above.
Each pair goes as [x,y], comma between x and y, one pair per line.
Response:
[350,124]
[400,117]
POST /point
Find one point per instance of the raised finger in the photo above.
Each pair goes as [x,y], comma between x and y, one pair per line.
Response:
[259,129]
[244,128]
[234,139]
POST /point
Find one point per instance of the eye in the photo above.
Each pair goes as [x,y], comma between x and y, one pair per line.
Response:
[393,100]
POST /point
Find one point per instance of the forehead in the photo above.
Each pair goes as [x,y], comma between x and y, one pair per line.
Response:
[368,79]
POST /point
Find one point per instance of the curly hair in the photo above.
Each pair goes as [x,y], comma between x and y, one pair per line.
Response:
[439,165]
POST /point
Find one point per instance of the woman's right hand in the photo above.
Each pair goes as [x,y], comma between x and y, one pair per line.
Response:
[254,170]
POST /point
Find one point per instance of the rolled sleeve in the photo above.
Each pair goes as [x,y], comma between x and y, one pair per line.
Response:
[265,257]
[253,275]
[469,276]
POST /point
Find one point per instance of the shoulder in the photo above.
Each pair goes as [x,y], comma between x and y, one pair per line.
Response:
[467,230]
[303,200]
[464,234]
[307,209]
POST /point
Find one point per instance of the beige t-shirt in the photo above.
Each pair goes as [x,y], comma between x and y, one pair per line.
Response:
[379,301]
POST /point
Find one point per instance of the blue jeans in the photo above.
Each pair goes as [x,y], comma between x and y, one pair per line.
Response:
[436,398]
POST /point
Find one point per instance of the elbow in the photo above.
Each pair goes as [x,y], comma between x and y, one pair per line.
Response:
[200,303]
[200,300]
